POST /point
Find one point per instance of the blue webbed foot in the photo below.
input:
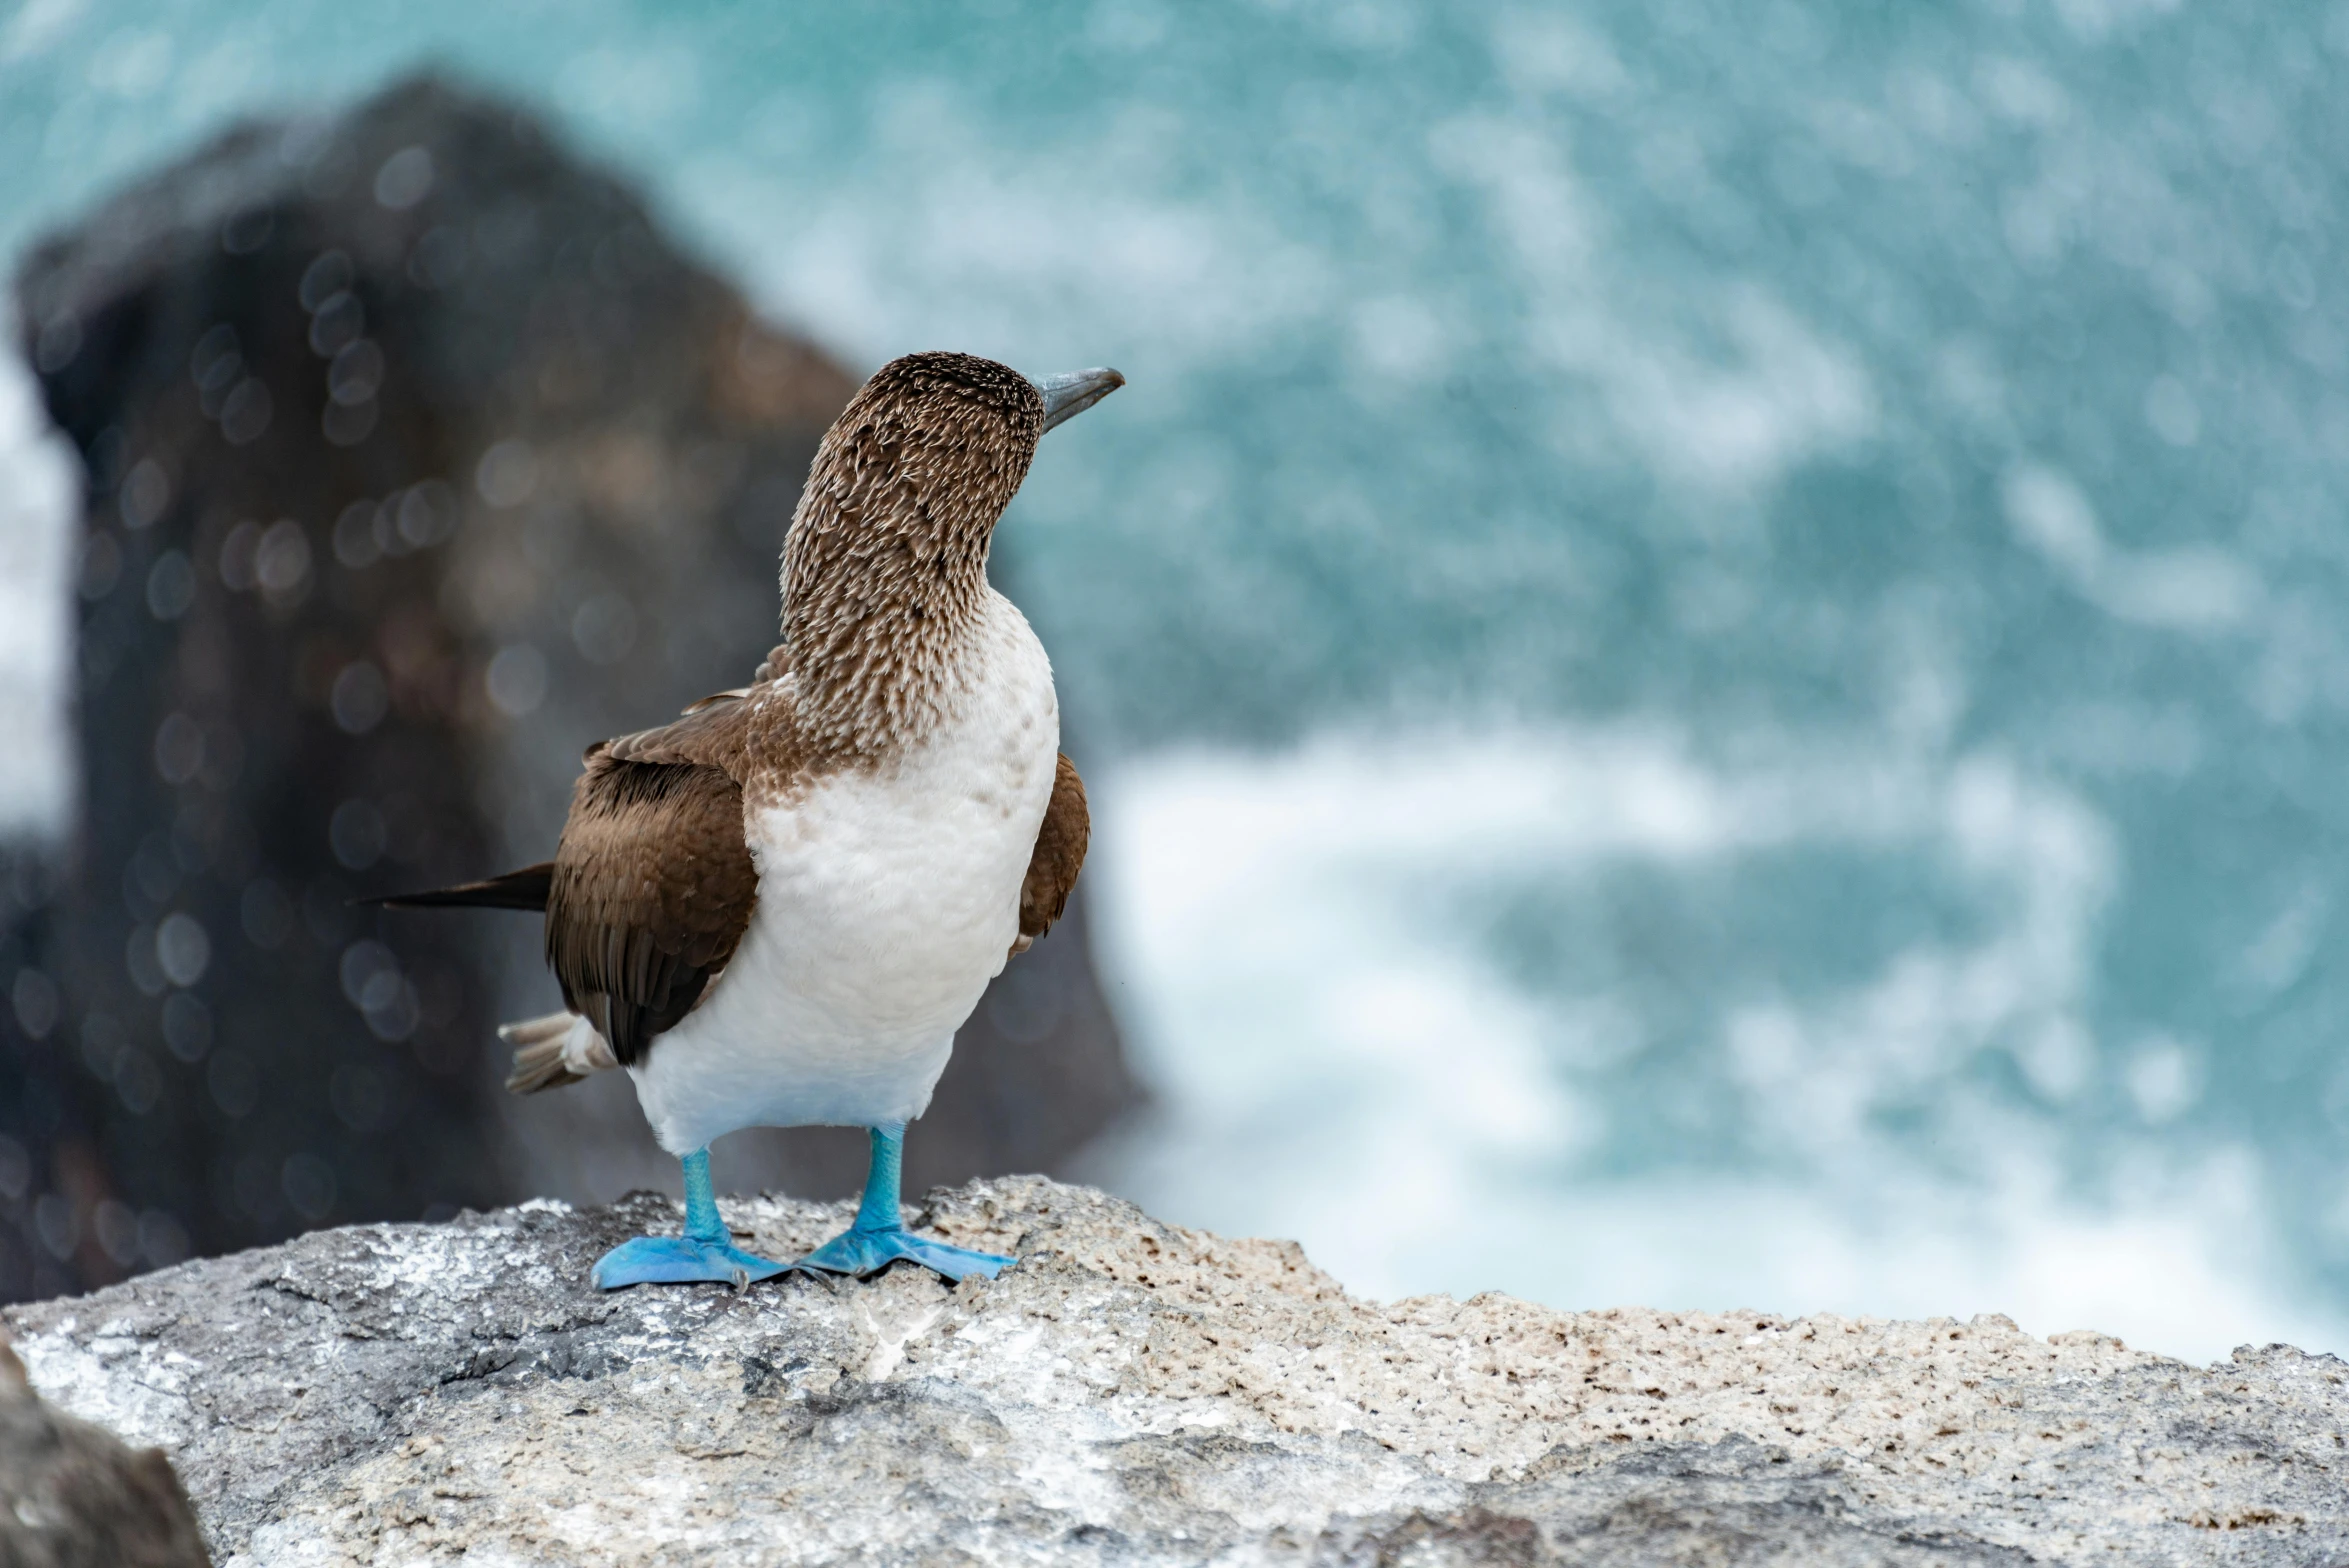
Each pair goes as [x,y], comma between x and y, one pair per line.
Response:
[681,1260]
[705,1253]
[860,1252]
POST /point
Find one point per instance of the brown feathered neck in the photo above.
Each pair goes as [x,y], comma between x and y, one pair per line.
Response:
[885,569]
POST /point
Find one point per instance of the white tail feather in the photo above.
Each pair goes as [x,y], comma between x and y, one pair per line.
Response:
[553,1051]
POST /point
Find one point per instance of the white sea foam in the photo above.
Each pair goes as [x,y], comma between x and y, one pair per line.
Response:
[40,485]
[1333,1062]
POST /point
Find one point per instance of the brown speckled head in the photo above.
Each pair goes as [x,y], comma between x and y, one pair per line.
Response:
[887,559]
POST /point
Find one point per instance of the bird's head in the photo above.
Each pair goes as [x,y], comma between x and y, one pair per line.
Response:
[930,451]
[888,551]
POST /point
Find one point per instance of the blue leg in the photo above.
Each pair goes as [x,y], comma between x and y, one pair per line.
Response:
[879,1238]
[705,1252]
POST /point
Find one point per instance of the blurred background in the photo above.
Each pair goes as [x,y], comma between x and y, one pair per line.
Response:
[1710,641]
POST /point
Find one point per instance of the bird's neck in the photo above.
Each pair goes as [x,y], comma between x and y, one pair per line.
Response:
[879,622]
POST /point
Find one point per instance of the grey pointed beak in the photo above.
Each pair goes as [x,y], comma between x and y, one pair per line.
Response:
[1067,396]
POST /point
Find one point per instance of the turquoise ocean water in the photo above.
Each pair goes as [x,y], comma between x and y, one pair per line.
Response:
[1714,638]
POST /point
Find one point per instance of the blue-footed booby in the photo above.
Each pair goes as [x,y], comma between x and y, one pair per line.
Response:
[776,910]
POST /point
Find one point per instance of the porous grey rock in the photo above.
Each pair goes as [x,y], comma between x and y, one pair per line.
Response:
[1138,1392]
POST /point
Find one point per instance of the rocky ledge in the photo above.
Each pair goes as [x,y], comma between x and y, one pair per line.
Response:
[1137,1392]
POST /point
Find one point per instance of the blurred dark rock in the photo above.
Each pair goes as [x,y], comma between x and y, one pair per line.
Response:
[72,1496]
[417,460]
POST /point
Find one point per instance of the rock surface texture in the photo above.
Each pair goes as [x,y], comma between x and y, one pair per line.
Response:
[1136,1392]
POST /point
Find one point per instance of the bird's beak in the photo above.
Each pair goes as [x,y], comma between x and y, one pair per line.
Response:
[1067,396]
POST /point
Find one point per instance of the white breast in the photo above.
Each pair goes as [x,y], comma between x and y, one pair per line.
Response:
[887,900]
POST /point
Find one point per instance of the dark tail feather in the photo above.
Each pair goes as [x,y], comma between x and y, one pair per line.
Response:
[523,889]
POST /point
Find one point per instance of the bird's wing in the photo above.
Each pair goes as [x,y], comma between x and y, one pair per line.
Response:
[653,883]
[1059,856]
[714,732]
[772,668]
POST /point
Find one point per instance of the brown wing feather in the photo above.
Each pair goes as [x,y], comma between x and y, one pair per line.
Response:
[653,887]
[714,732]
[1059,856]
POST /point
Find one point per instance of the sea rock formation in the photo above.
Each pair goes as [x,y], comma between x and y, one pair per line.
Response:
[1137,1392]
[417,460]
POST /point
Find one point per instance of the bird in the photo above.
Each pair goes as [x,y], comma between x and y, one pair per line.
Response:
[777,909]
